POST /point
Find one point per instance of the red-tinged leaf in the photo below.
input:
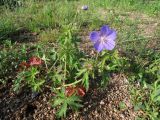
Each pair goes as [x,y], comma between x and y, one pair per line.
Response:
[24,64]
[35,61]
[69,91]
[80,91]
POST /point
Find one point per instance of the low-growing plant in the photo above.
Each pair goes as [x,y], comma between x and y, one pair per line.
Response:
[148,87]
[149,100]
[9,59]
[67,71]
[64,101]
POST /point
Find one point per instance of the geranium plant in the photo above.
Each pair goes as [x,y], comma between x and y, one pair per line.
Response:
[68,74]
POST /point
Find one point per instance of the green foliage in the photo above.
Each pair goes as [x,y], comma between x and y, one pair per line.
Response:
[122,105]
[17,82]
[9,59]
[149,100]
[64,102]
[148,79]
[154,68]
[28,77]
[111,62]
[6,27]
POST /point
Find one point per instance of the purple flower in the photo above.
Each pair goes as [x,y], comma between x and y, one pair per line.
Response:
[84,7]
[103,39]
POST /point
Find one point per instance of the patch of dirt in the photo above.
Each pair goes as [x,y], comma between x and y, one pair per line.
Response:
[147,24]
[98,104]
[154,44]
[85,45]
[25,105]
[104,104]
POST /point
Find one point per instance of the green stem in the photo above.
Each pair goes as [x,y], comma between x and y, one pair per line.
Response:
[66,85]
[97,55]
[65,70]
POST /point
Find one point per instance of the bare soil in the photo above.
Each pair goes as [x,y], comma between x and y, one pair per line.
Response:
[99,104]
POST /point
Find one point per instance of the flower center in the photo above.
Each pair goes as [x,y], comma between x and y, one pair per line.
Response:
[103,39]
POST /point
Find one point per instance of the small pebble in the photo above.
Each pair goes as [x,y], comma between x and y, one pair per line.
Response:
[102,102]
